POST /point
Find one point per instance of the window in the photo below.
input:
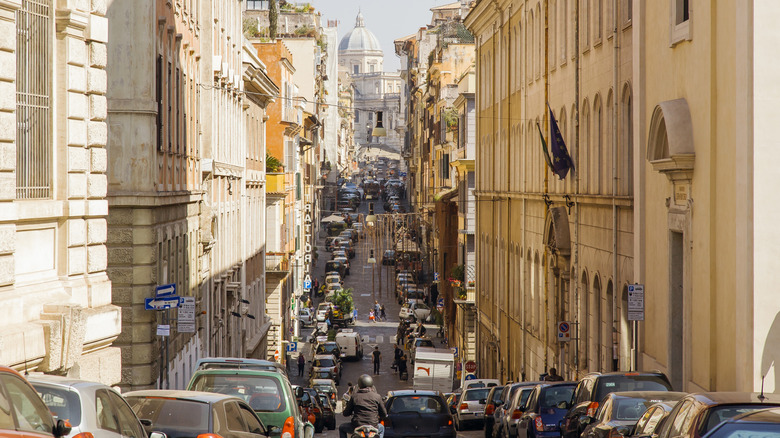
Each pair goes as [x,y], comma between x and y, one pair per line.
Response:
[680,21]
[355,69]
[33,100]
[159,99]
[235,422]
[371,68]
[31,414]
[257,4]
[128,422]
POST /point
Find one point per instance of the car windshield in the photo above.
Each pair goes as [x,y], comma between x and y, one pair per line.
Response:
[417,404]
[323,388]
[424,343]
[551,396]
[263,393]
[165,413]
[718,414]
[332,280]
[64,404]
[323,363]
[496,395]
[747,430]
[610,384]
[475,394]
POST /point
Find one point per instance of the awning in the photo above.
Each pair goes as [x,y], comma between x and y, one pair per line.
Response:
[446,194]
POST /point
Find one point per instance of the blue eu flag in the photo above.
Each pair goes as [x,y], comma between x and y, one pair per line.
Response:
[561,160]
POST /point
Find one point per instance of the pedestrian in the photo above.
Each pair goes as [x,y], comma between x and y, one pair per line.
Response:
[371,317]
[301,363]
[397,356]
[354,315]
[376,355]
[402,372]
[376,307]
[383,315]
[420,329]
[553,376]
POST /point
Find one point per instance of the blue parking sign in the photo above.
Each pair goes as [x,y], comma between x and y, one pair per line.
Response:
[306,284]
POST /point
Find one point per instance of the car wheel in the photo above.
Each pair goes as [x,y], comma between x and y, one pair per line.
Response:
[332,425]
[457,424]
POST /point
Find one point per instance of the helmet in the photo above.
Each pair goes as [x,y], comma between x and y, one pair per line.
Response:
[365,381]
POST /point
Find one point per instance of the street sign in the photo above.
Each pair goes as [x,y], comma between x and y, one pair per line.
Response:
[471,377]
[277,356]
[292,347]
[564,331]
[454,351]
[163,330]
[636,302]
[162,303]
[470,367]
[165,290]
[435,276]
[306,284]
[186,317]
[440,302]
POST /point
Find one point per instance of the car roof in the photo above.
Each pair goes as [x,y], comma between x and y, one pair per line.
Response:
[62,381]
[239,372]
[238,361]
[323,382]
[718,398]
[180,394]
[323,356]
[659,395]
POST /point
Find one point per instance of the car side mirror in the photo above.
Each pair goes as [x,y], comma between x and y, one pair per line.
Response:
[62,428]
[158,435]
[562,405]
[308,430]
[299,392]
[585,420]
[276,430]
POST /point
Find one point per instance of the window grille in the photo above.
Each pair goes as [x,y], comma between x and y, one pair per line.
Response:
[33,100]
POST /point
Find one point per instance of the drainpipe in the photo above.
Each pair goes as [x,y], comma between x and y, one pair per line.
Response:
[576,255]
[546,262]
[615,58]
[524,112]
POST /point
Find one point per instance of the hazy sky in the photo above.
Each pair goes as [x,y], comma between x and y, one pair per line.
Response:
[388,20]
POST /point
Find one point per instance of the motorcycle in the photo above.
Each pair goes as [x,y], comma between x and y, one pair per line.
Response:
[365,431]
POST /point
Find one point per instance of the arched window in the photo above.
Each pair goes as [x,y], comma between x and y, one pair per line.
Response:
[610,340]
[551,12]
[531,48]
[596,165]
[564,34]
[585,20]
[626,150]
[539,40]
[608,145]
[599,19]
[584,150]
[594,326]
[583,315]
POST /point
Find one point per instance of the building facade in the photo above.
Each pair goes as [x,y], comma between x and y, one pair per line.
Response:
[54,287]
[551,250]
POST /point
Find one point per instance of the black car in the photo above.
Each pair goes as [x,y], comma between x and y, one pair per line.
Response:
[418,414]
[762,423]
[192,413]
[328,410]
[348,249]
[592,388]
[329,347]
[492,401]
[620,412]
[388,258]
[310,406]
[339,267]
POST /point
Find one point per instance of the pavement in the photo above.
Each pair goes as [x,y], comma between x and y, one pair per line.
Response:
[380,334]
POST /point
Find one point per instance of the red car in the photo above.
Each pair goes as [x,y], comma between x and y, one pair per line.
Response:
[29,418]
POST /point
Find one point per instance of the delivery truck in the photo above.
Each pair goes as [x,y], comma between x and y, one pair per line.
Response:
[434,369]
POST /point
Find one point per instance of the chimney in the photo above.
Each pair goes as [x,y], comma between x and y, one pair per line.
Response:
[464,9]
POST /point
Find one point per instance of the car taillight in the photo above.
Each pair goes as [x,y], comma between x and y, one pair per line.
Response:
[333,396]
[209,435]
[288,430]
[539,424]
[592,408]
[464,407]
[516,414]
[489,409]
[86,435]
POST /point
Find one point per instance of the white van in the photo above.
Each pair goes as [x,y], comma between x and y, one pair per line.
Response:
[349,343]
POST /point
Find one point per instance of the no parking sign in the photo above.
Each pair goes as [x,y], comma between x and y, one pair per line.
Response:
[564,331]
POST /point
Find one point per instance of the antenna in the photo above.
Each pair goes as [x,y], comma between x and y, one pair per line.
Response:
[24,351]
[761,396]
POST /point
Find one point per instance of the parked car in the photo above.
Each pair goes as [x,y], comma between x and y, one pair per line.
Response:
[470,411]
[764,423]
[329,347]
[492,400]
[516,398]
[592,388]
[388,257]
[305,316]
[452,401]
[322,311]
[333,278]
[327,387]
[239,363]
[500,409]
[181,414]
[620,411]
[345,262]
[268,393]
[88,406]
[703,411]
[419,342]
[327,362]
[328,410]
[417,414]
[543,410]
[651,421]
[24,414]
[333,265]
[322,374]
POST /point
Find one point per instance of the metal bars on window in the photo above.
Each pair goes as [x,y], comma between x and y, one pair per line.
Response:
[33,100]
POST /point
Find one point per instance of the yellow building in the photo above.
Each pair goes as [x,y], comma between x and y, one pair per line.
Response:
[552,250]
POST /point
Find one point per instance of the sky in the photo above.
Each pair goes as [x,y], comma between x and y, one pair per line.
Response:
[388,20]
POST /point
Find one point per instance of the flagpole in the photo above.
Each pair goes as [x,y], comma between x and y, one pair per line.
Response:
[546,68]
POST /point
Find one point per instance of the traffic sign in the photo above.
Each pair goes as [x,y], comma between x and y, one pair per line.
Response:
[161,303]
[471,377]
[440,302]
[454,351]
[163,330]
[292,347]
[435,276]
[470,367]
[165,290]
[636,302]
[186,316]
[306,284]
[277,356]
[564,331]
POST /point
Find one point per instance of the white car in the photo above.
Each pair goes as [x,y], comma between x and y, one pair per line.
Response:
[305,316]
[322,311]
[332,279]
[413,310]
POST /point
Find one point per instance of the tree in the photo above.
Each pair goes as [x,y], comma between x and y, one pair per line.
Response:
[273,18]
[343,299]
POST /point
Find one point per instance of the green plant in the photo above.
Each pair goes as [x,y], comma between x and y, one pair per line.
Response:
[304,30]
[343,299]
[250,27]
[437,317]
[273,19]
[450,116]
[272,164]
[458,272]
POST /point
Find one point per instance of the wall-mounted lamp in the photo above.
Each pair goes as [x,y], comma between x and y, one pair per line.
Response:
[379,130]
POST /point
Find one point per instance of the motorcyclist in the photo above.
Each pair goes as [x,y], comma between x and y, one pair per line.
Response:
[366,408]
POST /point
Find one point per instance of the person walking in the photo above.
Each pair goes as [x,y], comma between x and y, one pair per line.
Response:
[354,315]
[382,314]
[301,363]
[402,371]
[376,357]
[397,356]
[371,316]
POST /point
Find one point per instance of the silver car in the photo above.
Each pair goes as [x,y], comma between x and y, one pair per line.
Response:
[89,406]
[515,408]
[471,408]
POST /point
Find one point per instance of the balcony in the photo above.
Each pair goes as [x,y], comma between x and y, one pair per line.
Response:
[275,183]
[277,263]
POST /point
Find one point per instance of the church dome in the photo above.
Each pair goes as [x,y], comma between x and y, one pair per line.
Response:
[359,39]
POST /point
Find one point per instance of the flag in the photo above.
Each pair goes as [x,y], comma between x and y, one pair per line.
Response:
[544,148]
[561,160]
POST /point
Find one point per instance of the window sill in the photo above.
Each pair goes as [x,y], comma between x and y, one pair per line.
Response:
[680,33]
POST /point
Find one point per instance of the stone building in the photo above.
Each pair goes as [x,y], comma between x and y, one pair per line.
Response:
[58,315]
[551,250]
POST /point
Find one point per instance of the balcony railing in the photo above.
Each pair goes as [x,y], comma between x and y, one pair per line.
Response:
[275,262]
